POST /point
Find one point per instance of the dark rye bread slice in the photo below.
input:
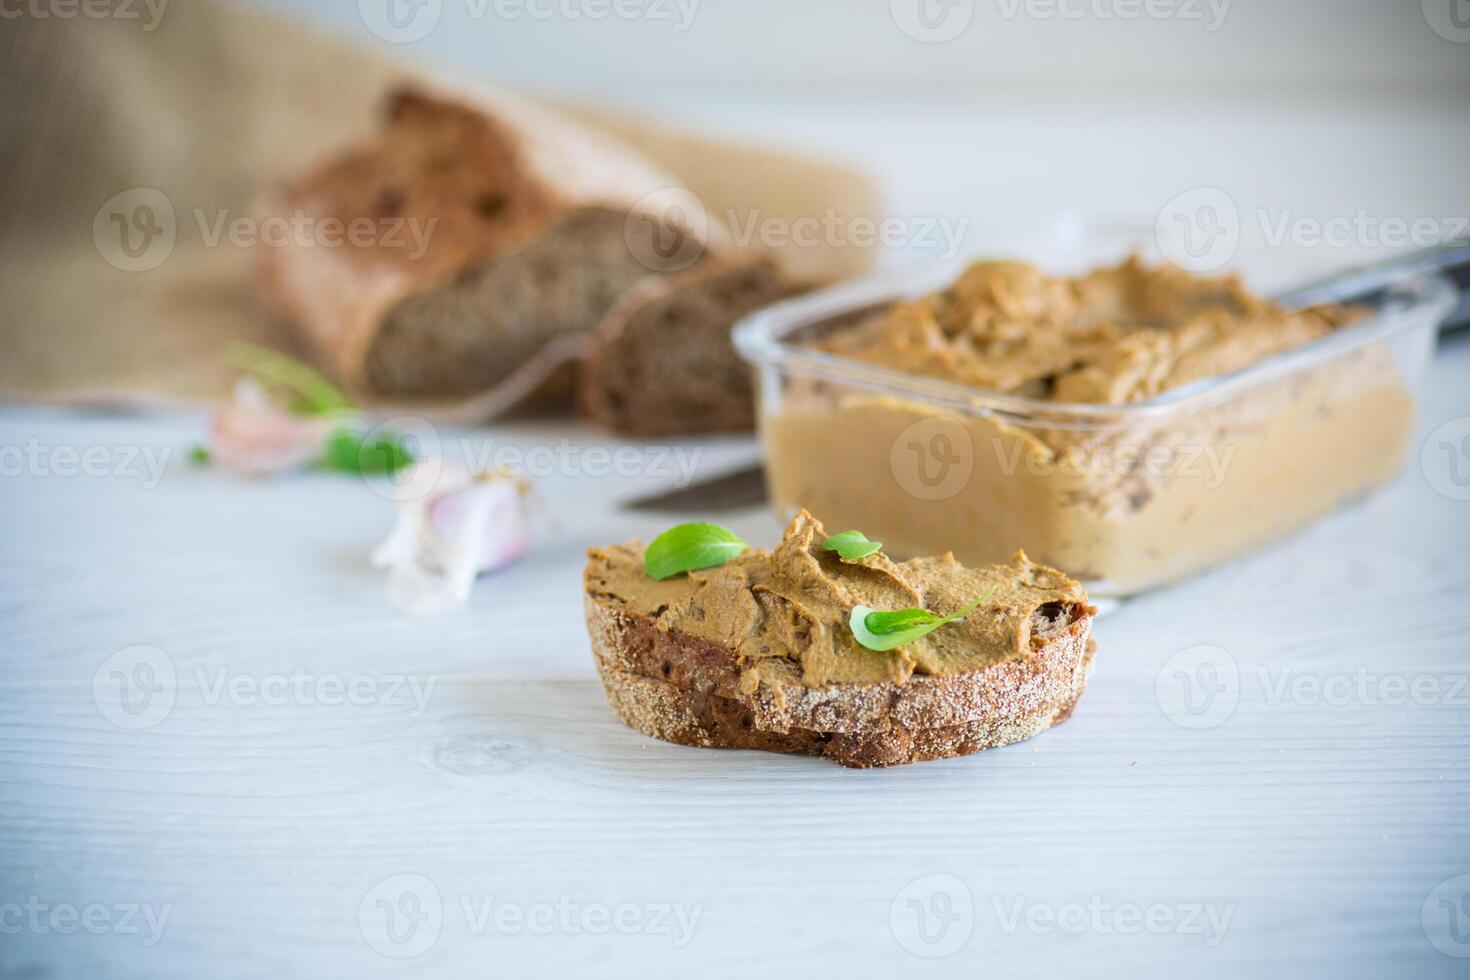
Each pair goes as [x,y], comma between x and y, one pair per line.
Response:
[486,230]
[686,689]
[706,720]
[662,362]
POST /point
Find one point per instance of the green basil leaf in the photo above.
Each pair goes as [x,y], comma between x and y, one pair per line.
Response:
[312,394]
[878,629]
[199,456]
[347,452]
[883,623]
[851,545]
[689,547]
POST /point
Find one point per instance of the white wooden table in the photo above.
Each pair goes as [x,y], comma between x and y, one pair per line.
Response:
[229,815]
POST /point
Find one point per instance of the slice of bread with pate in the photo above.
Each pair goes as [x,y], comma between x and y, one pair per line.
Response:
[759,652]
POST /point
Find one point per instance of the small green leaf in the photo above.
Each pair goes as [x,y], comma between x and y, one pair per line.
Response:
[689,547]
[199,456]
[312,393]
[347,452]
[851,545]
[880,630]
[886,623]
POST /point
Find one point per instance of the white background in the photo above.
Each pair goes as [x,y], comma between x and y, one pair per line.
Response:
[1332,46]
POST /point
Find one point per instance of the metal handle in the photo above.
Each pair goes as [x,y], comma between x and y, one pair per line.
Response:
[1365,284]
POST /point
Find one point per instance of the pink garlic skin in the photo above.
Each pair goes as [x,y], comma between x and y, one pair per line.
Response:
[486,522]
[252,435]
[465,526]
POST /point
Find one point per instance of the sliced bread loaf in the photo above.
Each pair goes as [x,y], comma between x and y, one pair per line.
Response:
[757,653]
[486,229]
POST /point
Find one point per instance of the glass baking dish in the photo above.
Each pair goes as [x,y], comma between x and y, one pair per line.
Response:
[1122,497]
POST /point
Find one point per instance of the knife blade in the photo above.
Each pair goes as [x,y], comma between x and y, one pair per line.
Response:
[734,490]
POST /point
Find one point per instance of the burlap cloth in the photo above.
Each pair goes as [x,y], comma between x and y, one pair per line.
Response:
[197,115]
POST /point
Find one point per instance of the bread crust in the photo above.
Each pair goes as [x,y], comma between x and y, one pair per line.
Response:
[688,690]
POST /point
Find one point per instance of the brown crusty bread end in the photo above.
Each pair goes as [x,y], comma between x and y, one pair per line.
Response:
[662,362]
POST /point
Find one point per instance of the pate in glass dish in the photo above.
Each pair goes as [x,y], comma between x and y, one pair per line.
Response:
[1129,426]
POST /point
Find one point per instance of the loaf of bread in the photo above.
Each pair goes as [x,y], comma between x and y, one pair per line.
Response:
[495,231]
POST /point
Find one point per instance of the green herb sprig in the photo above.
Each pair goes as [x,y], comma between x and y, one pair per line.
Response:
[851,545]
[307,394]
[350,451]
[880,630]
[690,547]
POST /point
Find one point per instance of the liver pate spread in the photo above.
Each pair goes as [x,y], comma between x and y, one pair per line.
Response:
[1121,501]
[1112,336]
[785,612]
